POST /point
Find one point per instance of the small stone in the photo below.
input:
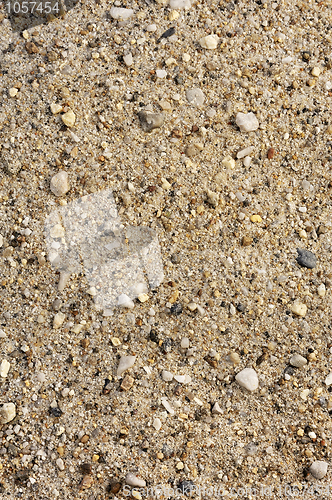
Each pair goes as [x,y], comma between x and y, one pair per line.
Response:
[318,469]
[244,152]
[167,406]
[246,241]
[86,482]
[247,122]
[161,73]
[125,301]
[299,309]
[179,4]
[157,424]
[59,183]
[125,363]
[69,118]
[247,161]
[248,379]
[31,48]
[298,361]
[270,153]
[58,319]
[150,121]
[195,97]
[212,198]
[209,42]
[128,59]
[321,290]
[184,343]
[315,71]
[60,464]
[56,108]
[306,258]
[143,297]
[133,480]
[256,218]
[228,162]
[13,92]
[122,14]
[7,413]
[328,380]
[235,358]
[127,383]
[1,240]
[182,379]
[4,368]
[216,408]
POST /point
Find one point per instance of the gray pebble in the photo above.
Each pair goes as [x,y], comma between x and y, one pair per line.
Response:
[306,258]
[298,361]
[195,97]
[318,469]
[150,121]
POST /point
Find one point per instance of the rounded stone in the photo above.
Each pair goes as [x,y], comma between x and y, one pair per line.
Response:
[195,97]
[318,469]
[59,183]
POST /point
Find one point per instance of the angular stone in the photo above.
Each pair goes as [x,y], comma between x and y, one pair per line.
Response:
[247,122]
[121,13]
[248,379]
[209,42]
[133,480]
[7,413]
[69,118]
[299,309]
[306,258]
[150,121]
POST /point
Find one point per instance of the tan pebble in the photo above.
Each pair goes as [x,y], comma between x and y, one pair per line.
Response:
[69,118]
[160,455]
[235,358]
[173,298]
[228,162]
[86,482]
[315,71]
[55,108]
[299,309]
[127,383]
[85,438]
[95,458]
[256,218]
[60,450]
[246,241]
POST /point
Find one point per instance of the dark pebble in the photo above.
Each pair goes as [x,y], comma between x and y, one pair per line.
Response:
[176,308]
[167,451]
[306,258]
[186,487]
[175,259]
[153,336]
[55,412]
[167,345]
[289,370]
[241,307]
[167,34]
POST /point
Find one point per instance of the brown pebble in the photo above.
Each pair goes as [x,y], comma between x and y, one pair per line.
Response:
[85,438]
[270,153]
[85,343]
[114,487]
[246,241]
[127,383]
[86,482]
[86,468]
[194,128]
[31,48]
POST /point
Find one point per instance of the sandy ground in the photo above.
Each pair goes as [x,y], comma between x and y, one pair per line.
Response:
[81,94]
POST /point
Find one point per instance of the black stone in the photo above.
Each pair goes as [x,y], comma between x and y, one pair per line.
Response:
[55,412]
[167,34]
[306,258]
[153,336]
[176,308]
[186,487]
[241,307]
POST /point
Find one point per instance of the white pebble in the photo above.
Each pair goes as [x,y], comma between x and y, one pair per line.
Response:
[4,368]
[125,301]
[328,380]
[245,152]
[133,480]
[247,122]
[248,379]
[125,363]
[185,343]
[58,319]
[167,406]
[151,28]
[1,240]
[166,376]
[299,309]
[247,161]
[318,469]
[209,42]
[60,464]
[182,379]
[41,377]
[321,290]
[228,162]
[121,13]
[59,183]
[180,4]
[55,108]
[7,413]
[161,73]
[157,424]
[128,59]
[298,361]
[195,97]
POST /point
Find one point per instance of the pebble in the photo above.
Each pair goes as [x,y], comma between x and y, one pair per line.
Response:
[121,13]
[192,306]
[298,361]
[157,424]
[247,122]
[209,42]
[256,218]
[58,319]
[195,97]
[55,108]
[185,343]
[270,153]
[315,71]
[166,376]
[59,183]
[299,309]
[1,240]
[161,73]
[69,118]
[133,480]
[7,413]
[4,368]
[180,4]
[321,290]
[216,408]
[328,380]
[248,379]
[306,258]
[318,469]
[244,152]
[128,59]
[150,121]
[60,464]
[167,406]
[125,363]
[182,379]
[125,301]
[228,162]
